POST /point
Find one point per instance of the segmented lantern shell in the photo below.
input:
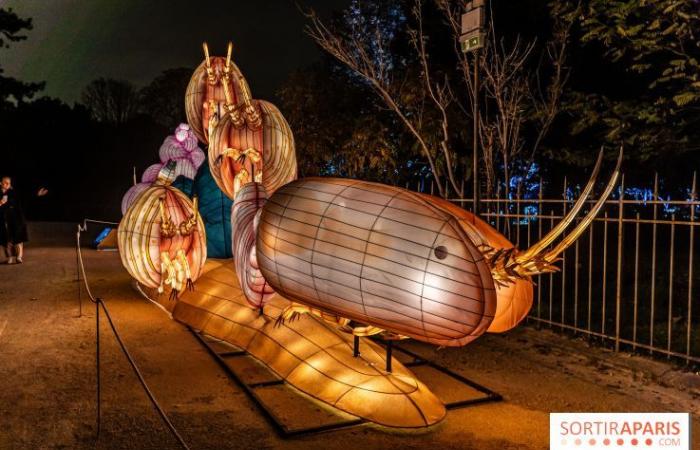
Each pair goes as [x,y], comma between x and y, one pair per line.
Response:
[248,202]
[514,299]
[199,94]
[378,255]
[140,240]
[274,140]
[131,195]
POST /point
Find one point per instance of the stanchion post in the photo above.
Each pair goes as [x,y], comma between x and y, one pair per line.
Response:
[97,368]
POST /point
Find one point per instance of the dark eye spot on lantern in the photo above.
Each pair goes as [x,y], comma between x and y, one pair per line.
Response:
[441,252]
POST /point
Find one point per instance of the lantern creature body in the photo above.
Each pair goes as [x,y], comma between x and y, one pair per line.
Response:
[409,263]
[377,255]
[161,237]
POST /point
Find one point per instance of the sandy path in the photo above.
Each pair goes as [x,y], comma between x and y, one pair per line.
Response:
[47,376]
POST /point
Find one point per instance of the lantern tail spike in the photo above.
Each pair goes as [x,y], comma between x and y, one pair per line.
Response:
[508,265]
[550,237]
[588,219]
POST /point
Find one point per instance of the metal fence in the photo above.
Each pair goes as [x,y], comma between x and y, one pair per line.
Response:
[629,280]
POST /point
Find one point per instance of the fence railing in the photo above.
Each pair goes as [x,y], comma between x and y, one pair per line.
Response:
[629,280]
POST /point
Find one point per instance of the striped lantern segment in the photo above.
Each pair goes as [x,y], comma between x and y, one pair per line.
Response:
[162,242]
[244,221]
[262,153]
[377,255]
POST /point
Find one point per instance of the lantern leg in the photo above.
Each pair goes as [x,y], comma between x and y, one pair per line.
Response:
[356,346]
[389,347]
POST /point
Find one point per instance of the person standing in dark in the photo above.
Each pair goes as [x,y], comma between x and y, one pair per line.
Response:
[13,227]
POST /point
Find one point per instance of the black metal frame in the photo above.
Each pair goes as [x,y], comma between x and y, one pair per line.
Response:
[489,395]
[286,432]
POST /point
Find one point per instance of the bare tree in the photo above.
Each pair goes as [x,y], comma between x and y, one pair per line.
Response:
[356,52]
[511,97]
[111,101]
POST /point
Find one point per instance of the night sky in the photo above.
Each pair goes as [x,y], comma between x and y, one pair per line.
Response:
[76,41]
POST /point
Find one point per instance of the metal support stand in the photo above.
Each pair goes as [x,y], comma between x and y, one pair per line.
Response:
[269,411]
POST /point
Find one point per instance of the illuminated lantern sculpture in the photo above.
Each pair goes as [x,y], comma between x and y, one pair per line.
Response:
[514,298]
[161,237]
[400,261]
[360,258]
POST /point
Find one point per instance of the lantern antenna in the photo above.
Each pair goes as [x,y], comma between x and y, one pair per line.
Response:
[206,56]
[229,50]
[506,265]
[581,227]
[245,90]
[566,221]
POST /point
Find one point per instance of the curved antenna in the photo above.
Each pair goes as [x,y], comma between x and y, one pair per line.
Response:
[227,93]
[245,93]
[581,227]
[229,50]
[206,56]
[566,221]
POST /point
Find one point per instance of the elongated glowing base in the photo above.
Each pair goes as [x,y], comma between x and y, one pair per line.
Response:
[308,353]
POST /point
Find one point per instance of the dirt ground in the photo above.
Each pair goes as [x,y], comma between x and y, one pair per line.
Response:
[47,377]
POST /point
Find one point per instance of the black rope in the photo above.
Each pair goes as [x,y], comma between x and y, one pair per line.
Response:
[98,302]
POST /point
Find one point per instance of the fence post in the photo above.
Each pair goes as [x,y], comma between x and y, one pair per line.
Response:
[517,216]
[618,287]
[563,261]
[551,275]
[540,214]
[653,264]
[590,275]
[636,282]
[669,330]
[605,271]
[691,246]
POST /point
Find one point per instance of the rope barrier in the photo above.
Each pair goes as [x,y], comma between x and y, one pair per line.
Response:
[99,303]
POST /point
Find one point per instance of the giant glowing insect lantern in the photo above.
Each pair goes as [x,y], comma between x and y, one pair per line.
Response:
[407,263]
[161,237]
[327,260]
